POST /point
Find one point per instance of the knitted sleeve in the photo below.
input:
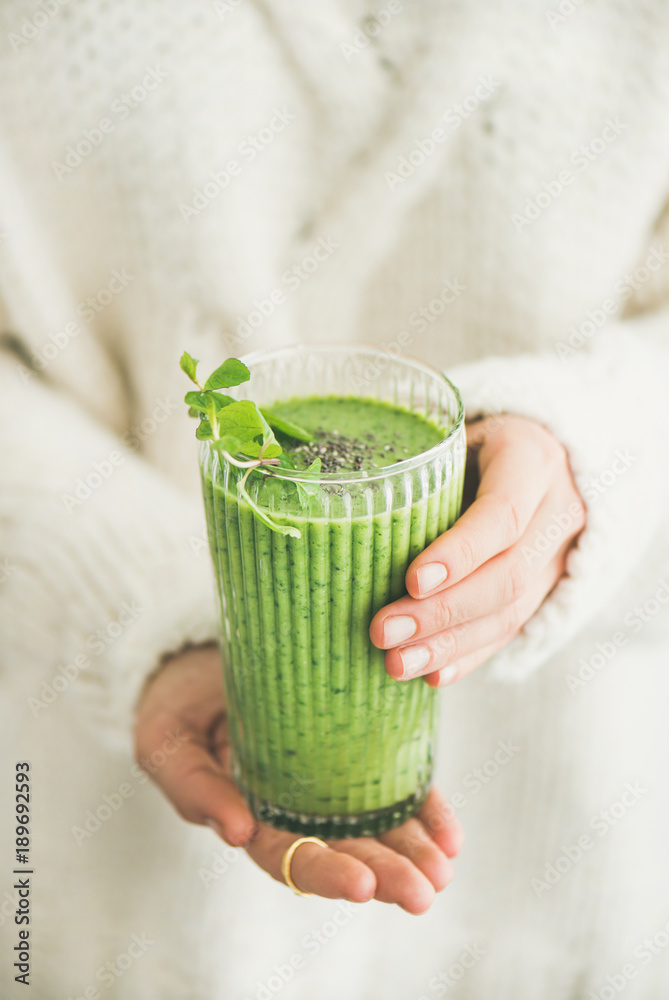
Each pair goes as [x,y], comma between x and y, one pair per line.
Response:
[103,564]
[605,403]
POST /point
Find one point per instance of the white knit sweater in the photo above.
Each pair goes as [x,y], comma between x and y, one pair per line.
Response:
[483,185]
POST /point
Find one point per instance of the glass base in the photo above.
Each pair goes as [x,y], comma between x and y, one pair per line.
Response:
[337,827]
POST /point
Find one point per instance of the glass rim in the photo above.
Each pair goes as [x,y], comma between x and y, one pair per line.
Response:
[362,475]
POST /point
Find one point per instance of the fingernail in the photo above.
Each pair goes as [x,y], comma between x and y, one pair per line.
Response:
[447,675]
[216,827]
[397,629]
[414,659]
[430,576]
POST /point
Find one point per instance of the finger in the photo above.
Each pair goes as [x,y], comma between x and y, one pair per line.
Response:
[501,581]
[412,840]
[441,822]
[558,522]
[456,671]
[397,879]
[436,652]
[327,873]
[194,782]
[514,480]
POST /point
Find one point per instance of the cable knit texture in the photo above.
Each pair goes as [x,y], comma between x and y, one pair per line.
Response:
[227,176]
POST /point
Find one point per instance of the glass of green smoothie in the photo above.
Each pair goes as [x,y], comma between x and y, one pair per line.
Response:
[323,742]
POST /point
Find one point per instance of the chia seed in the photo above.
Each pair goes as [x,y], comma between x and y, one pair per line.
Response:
[337,452]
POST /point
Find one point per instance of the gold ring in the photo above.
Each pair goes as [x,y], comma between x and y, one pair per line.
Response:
[288,857]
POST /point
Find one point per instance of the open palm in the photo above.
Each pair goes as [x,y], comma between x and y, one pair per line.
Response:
[183,707]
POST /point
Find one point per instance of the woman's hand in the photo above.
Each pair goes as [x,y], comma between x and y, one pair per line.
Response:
[183,708]
[472,590]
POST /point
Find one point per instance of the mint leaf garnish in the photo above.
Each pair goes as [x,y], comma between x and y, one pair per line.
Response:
[231,372]
[189,366]
[283,529]
[286,426]
[203,431]
[242,432]
[198,401]
[272,449]
[228,443]
[307,490]
[242,419]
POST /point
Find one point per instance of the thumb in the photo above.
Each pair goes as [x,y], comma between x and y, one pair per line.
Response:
[193,780]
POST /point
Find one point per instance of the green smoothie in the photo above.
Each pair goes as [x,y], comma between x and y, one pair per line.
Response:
[351,434]
[324,742]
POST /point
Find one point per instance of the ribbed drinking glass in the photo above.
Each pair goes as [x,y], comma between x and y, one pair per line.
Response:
[323,741]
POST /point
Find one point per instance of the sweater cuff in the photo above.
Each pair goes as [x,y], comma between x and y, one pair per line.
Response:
[108,567]
[102,597]
[594,405]
[164,568]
